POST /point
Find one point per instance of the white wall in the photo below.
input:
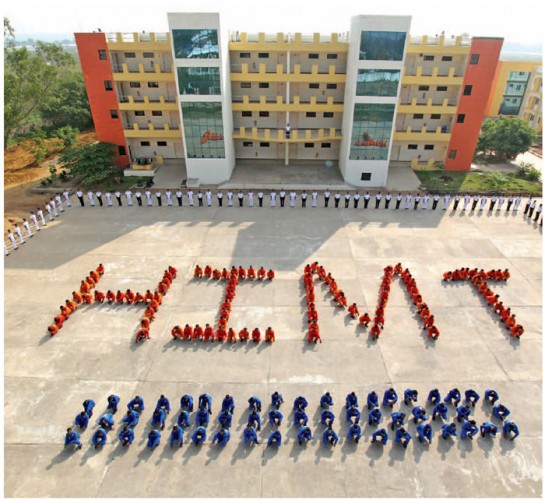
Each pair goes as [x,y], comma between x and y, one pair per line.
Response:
[353,169]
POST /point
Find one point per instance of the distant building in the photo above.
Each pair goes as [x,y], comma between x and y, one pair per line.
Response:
[362,100]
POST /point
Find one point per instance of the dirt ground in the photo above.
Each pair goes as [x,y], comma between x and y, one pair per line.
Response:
[21,175]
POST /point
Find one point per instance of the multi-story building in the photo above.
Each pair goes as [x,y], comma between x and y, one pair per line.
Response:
[517,89]
[361,100]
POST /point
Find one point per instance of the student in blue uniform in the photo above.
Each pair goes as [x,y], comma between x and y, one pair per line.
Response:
[410,395]
[99,438]
[353,414]
[326,400]
[327,417]
[300,417]
[254,419]
[82,420]
[488,429]
[509,428]
[463,413]
[225,419]
[402,437]
[222,437]
[354,433]
[199,436]
[329,437]
[106,422]
[304,434]
[163,403]
[380,436]
[448,430]
[469,429]
[440,409]
[351,400]
[254,403]
[72,438]
[277,399]
[471,397]
[491,396]
[184,419]
[425,433]
[275,417]
[205,403]
[88,406]
[372,400]
[419,413]
[390,397]
[186,403]
[126,436]
[154,438]
[398,418]
[131,419]
[202,417]
[136,404]
[113,401]
[453,397]
[176,436]
[434,396]
[228,404]
[300,402]
[500,411]
[250,435]
[375,416]
[275,439]
[158,418]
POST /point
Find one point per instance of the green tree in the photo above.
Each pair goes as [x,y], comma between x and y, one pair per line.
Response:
[96,162]
[68,104]
[30,79]
[68,135]
[506,137]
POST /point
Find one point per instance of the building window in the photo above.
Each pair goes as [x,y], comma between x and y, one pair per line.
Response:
[129,55]
[156,113]
[263,85]
[313,85]
[247,144]
[468,89]
[113,113]
[429,147]
[435,116]
[134,85]
[264,144]
[245,85]
[371,131]
[139,113]
[461,118]
[245,55]
[423,87]
[474,59]
[149,55]
[331,56]
[153,85]
[446,58]
[311,114]
[377,82]
[203,129]
[263,55]
[418,116]
[247,113]
[429,58]
[102,55]
[195,44]
[412,146]
[382,45]
[366,176]
[108,85]
[331,86]
[121,150]
[161,143]
[452,154]
[199,81]
[328,114]
[144,143]
[442,88]
[326,144]
[309,144]
[313,56]
[263,114]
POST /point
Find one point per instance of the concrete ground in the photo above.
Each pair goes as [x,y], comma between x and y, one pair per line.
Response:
[47,379]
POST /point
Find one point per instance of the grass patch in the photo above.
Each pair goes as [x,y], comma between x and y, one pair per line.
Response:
[476,182]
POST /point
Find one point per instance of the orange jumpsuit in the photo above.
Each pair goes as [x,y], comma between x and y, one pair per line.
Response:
[231,335]
[77,297]
[59,320]
[517,331]
[188,332]
[95,276]
[256,335]
[154,305]
[168,276]
[120,297]
[148,295]
[84,287]
[158,297]
[429,321]
[173,271]
[198,272]
[87,298]
[139,298]
[71,305]
[269,335]
[100,269]
[312,315]
[234,271]
[341,299]
[65,311]
[375,332]
[505,314]
[270,274]
[207,272]
[52,329]
[129,296]
[314,333]
[216,274]
[244,334]
[177,332]
[365,319]
[510,322]
[197,332]
[90,281]
[149,312]
[221,334]
[142,334]
[241,273]
[225,274]
[162,288]
[145,322]
[99,296]
[498,307]
[110,296]
[261,273]
[208,333]
[251,273]
[433,332]
[398,269]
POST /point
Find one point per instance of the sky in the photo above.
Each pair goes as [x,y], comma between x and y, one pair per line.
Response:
[520,21]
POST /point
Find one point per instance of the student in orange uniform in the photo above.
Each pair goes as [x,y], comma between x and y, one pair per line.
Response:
[145,323]
[256,335]
[148,296]
[269,335]
[208,335]
[375,331]
[244,335]
[110,296]
[517,331]
[198,333]
[198,272]
[99,297]
[270,274]
[261,273]
[154,305]
[87,298]
[365,319]
[100,269]
[76,297]
[53,329]
[225,274]
[188,332]
[71,304]
[129,296]
[241,273]
[314,333]
[353,310]
[433,332]
[142,335]
[119,297]
[220,334]
[138,298]
[173,271]
[207,272]
[149,313]
[231,336]
[251,273]
[84,287]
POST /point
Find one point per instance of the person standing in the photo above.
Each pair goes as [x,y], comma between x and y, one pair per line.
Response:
[190,197]
[99,197]
[493,201]
[260,198]
[58,199]
[91,197]
[387,200]
[179,197]
[53,207]
[347,200]
[417,199]
[168,195]
[209,197]
[467,199]
[40,213]
[484,201]
[273,199]
[66,195]
[79,194]
[532,208]
[219,195]
[282,197]
[446,201]
[293,197]
[501,201]
[327,195]
[314,197]
[474,203]
[251,198]
[356,199]
[158,196]
[456,202]
[527,208]
[538,213]
[12,239]
[378,198]
[399,198]
[240,197]
[337,198]
[49,213]
[109,199]
[408,200]
[26,225]
[518,199]
[128,195]
[34,221]
[200,197]
[147,194]
[436,199]
[366,198]
[117,195]
[138,196]
[19,234]
[229,198]
[303,199]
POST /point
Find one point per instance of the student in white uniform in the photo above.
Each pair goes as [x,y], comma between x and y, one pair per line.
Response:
[229,198]
[58,198]
[314,199]
[304,197]
[109,200]
[467,199]
[260,196]
[446,201]
[147,193]
[356,199]
[209,197]
[250,198]
[66,195]
[190,197]
[293,197]
[168,195]
[408,200]
[220,198]
[20,234]
[91,197]
[128,195]
[26,225]
[12,239]
[40,214]
[273,199]
[34,220]
[138,196]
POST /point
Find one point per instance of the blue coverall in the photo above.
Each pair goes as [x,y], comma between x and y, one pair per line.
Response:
[228,404]
[136,404]
[375,417]
[72,437]
[164,404]
[448,430]
[186,402]
[225,419]
[390,397]
[471,397]
[419,413]
[510,427]
[372,400]
[329,437]
[351,413]
[425,432]
[410,395]
[113,401]
[202,417]
[500,411]
[440,409]
[300,417]
[254,418]
[398,418]
[491,396]
[351,400]
[275,418]
[99,437]
[277,399]
[177,436]
[354,433]
[222,437]
[82,420]
[304,434]
[106,421]
[469,429]
[158,418]
[488,428]
[199,436]
[326,400]
[453,397]
[154,438]
[254,403]
[402,437]
[250,436]
[327,417]
[300,402]
[88,406]
[463,413]
[184,419]
[434,396]
[380,435]
[126,436]
[205,402]
[275,438]
[132,418]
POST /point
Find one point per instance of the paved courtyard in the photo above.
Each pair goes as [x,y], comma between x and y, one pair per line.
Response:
[47,379]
